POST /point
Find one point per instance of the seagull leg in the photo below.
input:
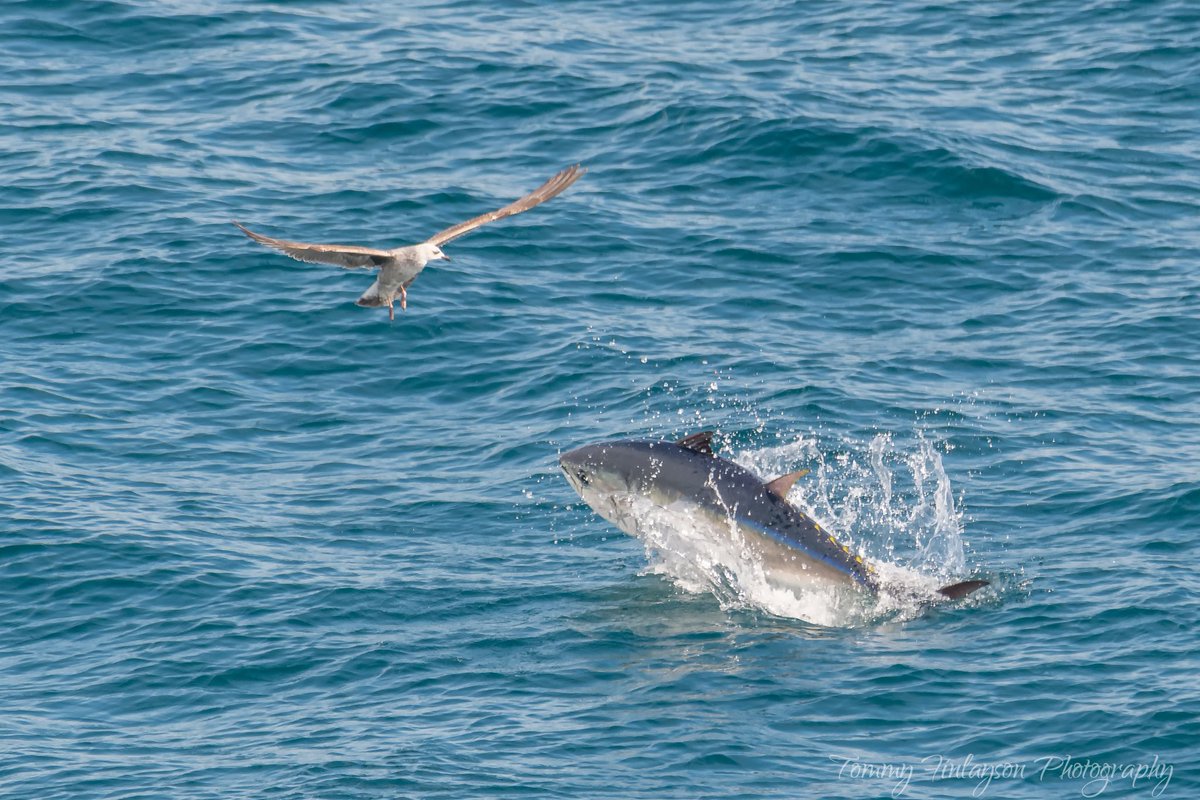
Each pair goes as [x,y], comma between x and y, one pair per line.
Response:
[403,299]
[391,313]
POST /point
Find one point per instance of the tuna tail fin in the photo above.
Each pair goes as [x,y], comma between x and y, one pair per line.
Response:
[957,591]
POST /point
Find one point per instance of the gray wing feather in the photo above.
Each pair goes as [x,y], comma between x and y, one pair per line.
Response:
[343,255]
[551,188]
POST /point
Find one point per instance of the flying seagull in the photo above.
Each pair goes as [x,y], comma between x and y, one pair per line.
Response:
[399,267]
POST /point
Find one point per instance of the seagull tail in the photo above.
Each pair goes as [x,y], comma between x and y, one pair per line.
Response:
[370,297]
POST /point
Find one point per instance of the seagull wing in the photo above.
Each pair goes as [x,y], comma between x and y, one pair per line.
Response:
[343,255]
[550,188]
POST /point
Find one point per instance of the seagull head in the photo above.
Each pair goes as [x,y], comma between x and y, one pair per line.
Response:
[431,252]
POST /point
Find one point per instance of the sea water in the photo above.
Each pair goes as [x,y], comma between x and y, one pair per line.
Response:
[260,542]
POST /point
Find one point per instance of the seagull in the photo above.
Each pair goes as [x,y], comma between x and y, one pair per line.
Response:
[399,267]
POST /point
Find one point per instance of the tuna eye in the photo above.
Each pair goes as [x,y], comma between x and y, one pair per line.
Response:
[583,477]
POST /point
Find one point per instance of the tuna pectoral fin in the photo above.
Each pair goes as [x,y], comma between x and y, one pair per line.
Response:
[957,591]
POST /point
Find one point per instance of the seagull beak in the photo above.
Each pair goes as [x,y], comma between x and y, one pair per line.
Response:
[445,256]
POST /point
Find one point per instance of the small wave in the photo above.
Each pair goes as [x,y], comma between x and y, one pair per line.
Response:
[941,172]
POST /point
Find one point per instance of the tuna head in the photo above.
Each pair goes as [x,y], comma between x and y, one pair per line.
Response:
[609,467]
[606,475]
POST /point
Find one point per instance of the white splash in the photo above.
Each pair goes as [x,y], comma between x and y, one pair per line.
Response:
[896,508]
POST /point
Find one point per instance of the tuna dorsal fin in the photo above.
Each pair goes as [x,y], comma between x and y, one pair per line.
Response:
[699,442]
[784,483]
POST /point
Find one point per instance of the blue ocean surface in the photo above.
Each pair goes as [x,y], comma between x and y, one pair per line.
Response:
[260,542]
